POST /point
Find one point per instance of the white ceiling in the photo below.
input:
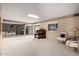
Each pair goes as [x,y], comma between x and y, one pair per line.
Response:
[19,11]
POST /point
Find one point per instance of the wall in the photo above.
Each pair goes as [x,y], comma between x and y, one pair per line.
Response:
[0,36]
[0,25]
[0,19]
[66,25]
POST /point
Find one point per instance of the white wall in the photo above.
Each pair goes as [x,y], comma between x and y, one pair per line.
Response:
[0,9]
[65,25]
[0,31]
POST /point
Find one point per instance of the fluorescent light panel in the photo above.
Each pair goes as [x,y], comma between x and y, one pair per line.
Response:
[33,16]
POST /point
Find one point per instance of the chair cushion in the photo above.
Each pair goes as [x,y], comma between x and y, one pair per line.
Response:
[72,43]
[61,38]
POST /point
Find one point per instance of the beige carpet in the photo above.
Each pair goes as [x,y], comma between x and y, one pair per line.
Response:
[28,46]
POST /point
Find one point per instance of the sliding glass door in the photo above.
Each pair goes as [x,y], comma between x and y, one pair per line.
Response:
[12,29]
[19,29]
[29,30]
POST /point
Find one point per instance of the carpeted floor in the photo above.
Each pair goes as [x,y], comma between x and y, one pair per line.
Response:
[28,46]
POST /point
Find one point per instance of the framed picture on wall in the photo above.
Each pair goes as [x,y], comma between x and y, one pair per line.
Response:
[53,27]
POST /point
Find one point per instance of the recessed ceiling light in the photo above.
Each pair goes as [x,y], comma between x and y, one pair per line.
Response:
[33,16]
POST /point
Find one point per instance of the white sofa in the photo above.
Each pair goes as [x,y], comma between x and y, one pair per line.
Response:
[72,43]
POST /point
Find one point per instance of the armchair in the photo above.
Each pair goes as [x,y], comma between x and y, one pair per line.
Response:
[62,37]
